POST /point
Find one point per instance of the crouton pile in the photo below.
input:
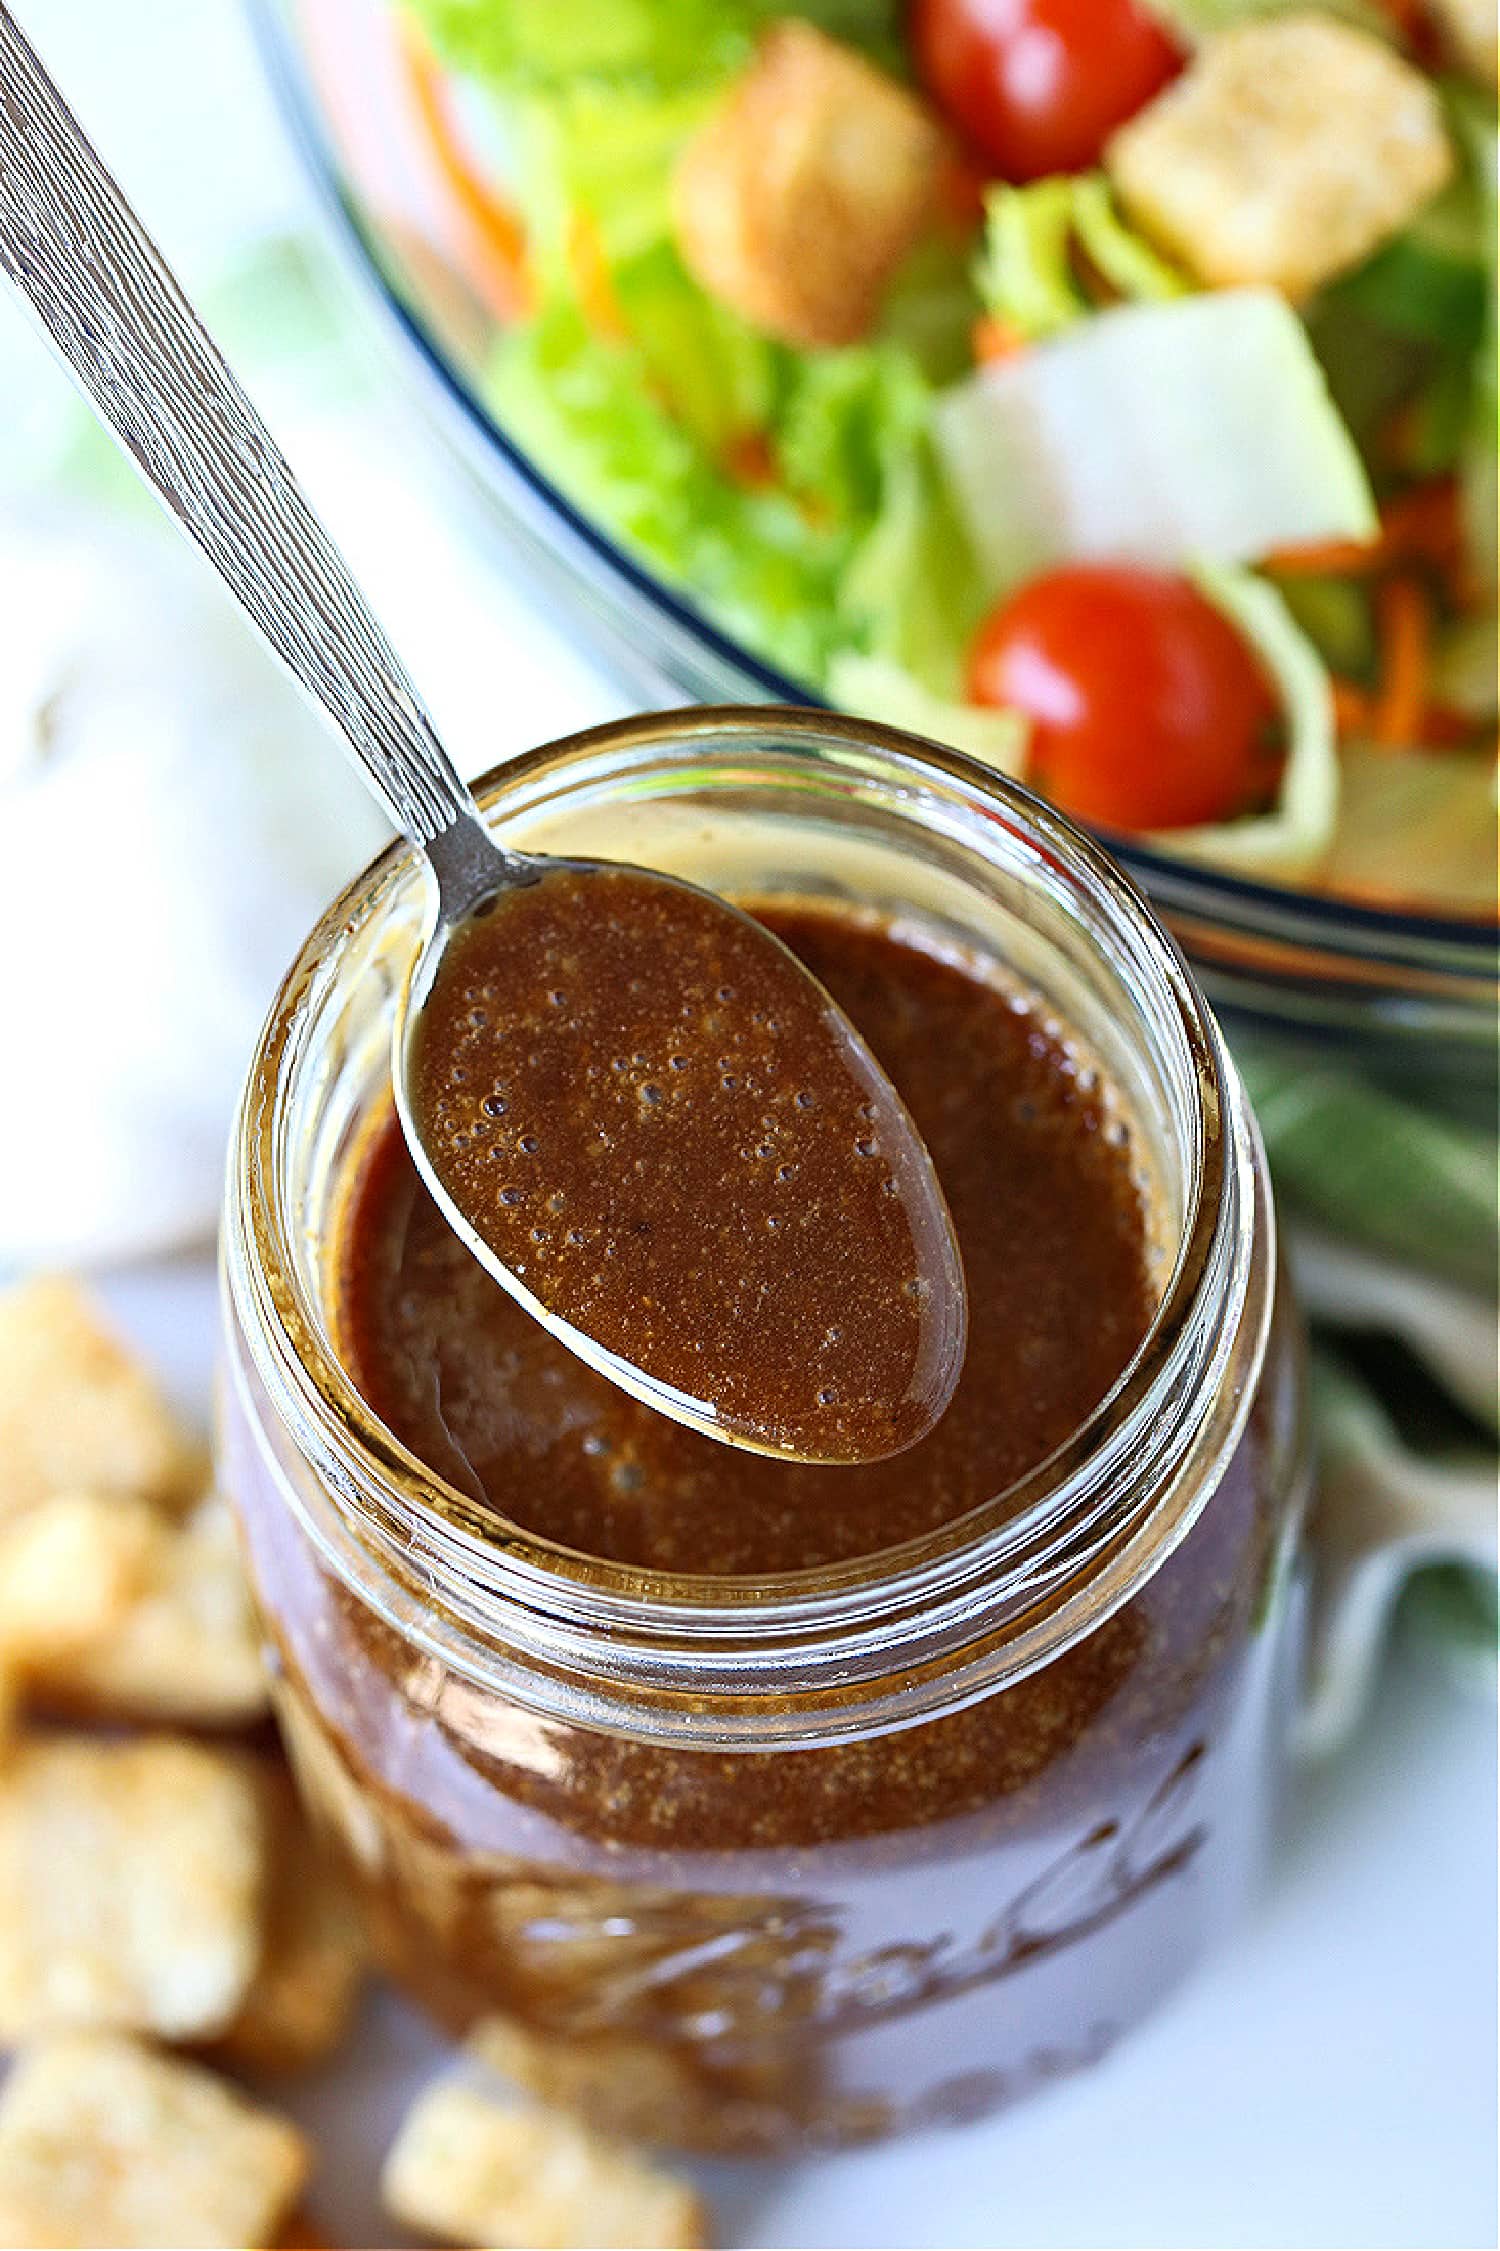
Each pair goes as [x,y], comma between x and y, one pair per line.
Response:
[169,1926]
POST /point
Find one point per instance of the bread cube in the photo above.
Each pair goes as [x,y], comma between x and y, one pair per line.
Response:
[77,1411]
[1288,151]
[803,193]
[131,1884]
[299,2008]
[184,1649]
[469,2170]
[101,2141]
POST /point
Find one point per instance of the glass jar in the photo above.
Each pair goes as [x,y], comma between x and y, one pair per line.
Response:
[805,1860]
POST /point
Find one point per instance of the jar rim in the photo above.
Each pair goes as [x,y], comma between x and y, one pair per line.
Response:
[1076,1532]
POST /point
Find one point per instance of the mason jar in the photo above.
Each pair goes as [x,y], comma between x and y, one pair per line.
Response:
[807,1859]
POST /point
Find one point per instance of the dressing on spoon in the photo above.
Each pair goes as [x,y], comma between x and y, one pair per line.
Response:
[678,1149]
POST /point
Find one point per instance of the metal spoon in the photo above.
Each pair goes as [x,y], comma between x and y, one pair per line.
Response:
[107,300]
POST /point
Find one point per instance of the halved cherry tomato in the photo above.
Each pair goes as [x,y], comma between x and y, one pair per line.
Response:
[1148,710]
[1039,85]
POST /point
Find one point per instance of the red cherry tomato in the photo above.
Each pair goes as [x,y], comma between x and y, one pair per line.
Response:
[1147,708]
[1039,85]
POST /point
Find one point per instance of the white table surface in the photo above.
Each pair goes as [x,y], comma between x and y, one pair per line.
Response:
[1330,2081]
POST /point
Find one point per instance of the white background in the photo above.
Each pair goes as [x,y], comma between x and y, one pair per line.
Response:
[1328,2082]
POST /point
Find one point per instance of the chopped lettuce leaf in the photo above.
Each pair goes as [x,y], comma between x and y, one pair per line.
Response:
[1336,616]
[643,43]
[1407,340]
[1408,327]
[855,439]
[1123,258]
[1416,831]
[1197,20]
[1025,276]
[718,377]
[598,153]
[874,687]
[1292,839]
[1421,291]
[1028,277]
[586,407]
[625,41]
[913,592]
[849,541]
[930,307]
[849,418]
[1464,665]
[1199,429]
[523,44]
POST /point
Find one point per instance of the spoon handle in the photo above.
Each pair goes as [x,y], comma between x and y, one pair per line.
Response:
[104,294]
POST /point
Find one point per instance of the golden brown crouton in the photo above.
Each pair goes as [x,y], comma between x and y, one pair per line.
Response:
[1286,152]
[474,2171]
[70,1568]
[103,2142]
[798,200]
[77,1414]
[183,1649]
[131,1887]
[300,2005]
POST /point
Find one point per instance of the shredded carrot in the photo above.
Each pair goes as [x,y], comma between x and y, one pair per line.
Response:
[1404,623]
[1351,706]
[1315,558]
[749,461]
[1421,525]
[995,340]
[495,236]
[591,277]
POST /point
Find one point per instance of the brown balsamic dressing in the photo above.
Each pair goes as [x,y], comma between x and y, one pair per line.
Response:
[1042,1184]
[674,1142]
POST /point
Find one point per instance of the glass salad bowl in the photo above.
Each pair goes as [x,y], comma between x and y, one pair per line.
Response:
[1409,997]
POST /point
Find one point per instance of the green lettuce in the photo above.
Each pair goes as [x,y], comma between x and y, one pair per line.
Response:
[1197,20]
[1156,432]
[586,407]
[718,377]
[851,542]
[1413,326]
[1294,836]
[1123,258]
[1038,239]
[654,45]
[1427,819]
[874,687]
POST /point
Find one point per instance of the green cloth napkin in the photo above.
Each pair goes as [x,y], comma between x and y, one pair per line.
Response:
[1392,1223]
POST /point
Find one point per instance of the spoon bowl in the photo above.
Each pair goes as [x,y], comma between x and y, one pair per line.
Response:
[707,1188]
